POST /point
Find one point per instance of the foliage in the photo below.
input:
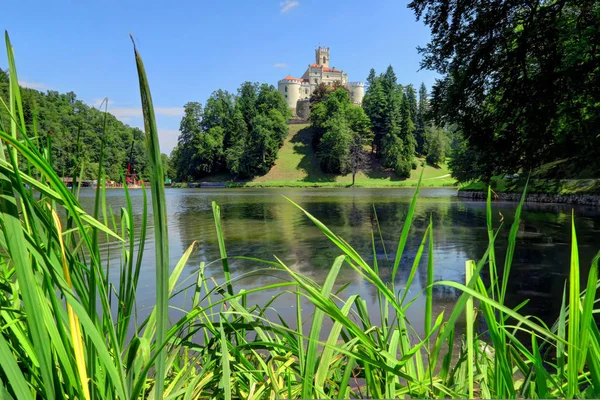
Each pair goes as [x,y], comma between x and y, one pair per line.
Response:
[76,131]
[421,120]
[436,145]
[388,105]
[337,122]
[519,80]
[240,134]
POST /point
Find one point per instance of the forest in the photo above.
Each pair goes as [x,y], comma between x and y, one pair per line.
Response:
[75,132]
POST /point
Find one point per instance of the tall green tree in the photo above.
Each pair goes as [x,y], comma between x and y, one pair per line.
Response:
[422,110]
[520,79]
[339,125]
[186,163]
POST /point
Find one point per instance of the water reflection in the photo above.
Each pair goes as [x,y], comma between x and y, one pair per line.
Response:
[263,224]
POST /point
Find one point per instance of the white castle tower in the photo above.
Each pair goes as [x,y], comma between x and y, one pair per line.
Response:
[298,90]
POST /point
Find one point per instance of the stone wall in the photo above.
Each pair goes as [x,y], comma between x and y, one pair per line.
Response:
[303,109]
[585,199]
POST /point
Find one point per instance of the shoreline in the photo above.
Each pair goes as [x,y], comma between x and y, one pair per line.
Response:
[337,185]
[588,199]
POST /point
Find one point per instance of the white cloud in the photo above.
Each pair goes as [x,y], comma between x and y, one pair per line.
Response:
[173,111]
[168,139]
[280,65]
[287,5]
[120,112]
[98,102]
[33,85]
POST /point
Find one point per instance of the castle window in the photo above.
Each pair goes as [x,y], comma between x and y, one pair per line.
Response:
[286,89]
[316,80]
[324,60]
[305,91]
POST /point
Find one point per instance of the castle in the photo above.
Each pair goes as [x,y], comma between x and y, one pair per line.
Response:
[297,91]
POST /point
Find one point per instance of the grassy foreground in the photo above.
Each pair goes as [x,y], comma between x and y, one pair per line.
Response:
[65,332]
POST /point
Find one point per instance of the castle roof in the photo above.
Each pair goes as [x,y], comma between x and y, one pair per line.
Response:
[291,78]
[326,69]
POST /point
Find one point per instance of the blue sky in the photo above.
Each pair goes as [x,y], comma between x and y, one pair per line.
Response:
[191,48]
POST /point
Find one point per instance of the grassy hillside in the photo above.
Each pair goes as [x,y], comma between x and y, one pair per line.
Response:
[297,165]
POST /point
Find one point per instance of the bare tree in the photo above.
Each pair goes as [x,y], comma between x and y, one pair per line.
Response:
[359,159]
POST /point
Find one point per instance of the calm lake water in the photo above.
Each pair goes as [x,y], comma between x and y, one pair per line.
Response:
[261,223]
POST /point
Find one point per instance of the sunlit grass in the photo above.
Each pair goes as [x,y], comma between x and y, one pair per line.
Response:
[66,332]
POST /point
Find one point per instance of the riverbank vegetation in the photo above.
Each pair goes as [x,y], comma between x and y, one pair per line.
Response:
[519,84]
[66,332]
[74,132]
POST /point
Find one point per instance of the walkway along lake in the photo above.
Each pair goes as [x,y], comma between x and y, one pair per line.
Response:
[261,223]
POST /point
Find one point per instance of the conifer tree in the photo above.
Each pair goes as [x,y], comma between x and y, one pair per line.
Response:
[420,121]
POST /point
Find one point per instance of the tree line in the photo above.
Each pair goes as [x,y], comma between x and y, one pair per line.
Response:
[75,132]
[520,82]
[239,134]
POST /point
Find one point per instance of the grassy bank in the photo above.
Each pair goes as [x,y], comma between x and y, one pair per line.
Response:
[297,165]
[563,177]
[65,332]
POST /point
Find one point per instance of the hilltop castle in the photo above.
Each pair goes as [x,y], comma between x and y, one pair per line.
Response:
[297,91]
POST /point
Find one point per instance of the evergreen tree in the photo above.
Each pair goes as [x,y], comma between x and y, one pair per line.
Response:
[371,78]
[375,104]
[421,117]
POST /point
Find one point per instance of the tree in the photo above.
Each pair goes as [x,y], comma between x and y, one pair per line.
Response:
[319,94]
[436,143]
[519,79]
[334,147]
[359,159]
[422,110]
[411,98]
[375,104]
[190,128]
[166,162]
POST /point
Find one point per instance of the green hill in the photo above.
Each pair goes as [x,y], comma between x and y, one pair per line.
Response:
[297,166]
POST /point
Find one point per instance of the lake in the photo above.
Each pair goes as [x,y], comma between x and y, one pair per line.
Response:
[262,223]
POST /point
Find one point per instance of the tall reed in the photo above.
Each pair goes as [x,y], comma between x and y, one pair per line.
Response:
[66,332]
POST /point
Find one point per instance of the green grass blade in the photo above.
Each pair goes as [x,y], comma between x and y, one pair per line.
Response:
[470,267]
[225,383]
[13,372]
[573,347]
[160,220]
[587,312]
[315,331]
[406,229]
[222,250]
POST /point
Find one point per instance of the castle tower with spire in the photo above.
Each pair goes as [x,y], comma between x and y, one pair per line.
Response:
[297,91]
